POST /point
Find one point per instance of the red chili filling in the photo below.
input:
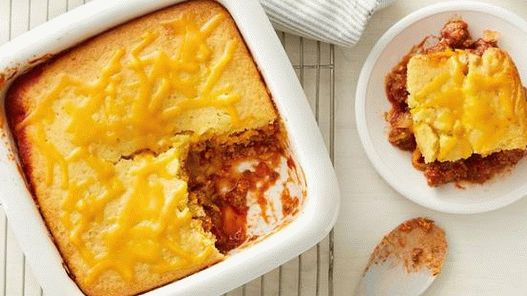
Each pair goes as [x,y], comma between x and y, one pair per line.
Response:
[220,187]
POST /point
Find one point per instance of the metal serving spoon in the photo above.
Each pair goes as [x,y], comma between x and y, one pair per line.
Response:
[406,261]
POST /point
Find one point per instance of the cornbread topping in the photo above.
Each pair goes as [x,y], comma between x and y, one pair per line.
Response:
[156,90]
[153,208]
[462,103]
[458,104]
[132,144]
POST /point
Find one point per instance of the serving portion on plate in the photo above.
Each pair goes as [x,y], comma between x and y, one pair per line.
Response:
[440,105]
[459,106]
[154,150]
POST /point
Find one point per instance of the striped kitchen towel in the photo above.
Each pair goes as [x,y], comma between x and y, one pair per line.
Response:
[339,22]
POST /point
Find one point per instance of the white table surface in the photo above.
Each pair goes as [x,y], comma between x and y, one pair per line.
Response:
[487,252]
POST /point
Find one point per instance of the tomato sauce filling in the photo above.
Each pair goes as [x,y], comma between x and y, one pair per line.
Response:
[220,180]
[476,168]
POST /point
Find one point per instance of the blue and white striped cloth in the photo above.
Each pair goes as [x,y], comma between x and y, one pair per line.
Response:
[339,22]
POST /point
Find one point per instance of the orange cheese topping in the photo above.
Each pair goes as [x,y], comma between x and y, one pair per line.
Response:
[133,98]
[133,209]
[463,104]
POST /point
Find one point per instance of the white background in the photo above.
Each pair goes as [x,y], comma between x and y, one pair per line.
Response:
[487,252]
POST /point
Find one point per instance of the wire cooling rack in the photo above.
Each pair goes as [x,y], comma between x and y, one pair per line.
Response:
[314,62]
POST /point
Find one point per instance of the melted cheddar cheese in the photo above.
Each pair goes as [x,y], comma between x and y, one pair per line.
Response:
[127,133]
[464,104]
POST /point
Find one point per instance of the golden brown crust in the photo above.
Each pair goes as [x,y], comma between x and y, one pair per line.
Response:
[87,58]
[16,111]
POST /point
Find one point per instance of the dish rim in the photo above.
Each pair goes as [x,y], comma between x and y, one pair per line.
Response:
[362,86]
[315,219]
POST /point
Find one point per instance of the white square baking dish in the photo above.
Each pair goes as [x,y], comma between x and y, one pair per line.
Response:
[315,219]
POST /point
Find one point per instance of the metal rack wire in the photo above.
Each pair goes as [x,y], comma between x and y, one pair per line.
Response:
[314,62]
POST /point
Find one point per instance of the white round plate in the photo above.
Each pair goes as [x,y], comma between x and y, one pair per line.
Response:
[371,103]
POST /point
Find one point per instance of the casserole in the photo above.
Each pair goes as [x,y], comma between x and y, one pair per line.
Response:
[310,225]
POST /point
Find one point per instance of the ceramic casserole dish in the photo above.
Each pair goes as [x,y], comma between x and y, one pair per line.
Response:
[320,205]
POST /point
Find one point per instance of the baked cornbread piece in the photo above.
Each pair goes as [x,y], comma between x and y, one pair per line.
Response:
[103,131]
[463,104]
